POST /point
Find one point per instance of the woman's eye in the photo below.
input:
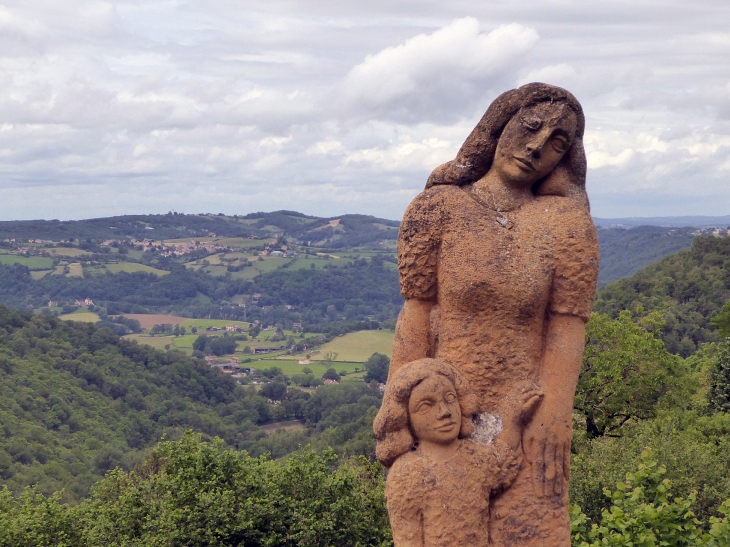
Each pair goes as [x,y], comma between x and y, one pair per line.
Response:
[560,144]
[533,124]
[424,407]
[450,398]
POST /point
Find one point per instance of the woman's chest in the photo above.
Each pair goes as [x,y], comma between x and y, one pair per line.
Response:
[489,260]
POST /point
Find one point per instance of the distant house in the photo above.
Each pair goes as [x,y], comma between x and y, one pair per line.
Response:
[52,303]
[304,361]
[233,328]
[87,302]
[263,350]
[329,382]
[277,253]
[381,387]
[256,296]
[296,325]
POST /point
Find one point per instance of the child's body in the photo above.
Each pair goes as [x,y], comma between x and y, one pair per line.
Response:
[446,503]
[438,488]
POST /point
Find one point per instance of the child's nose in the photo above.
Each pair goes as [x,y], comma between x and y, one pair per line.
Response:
[444,411]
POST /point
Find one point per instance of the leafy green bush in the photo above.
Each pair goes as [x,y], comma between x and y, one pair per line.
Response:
[643,514]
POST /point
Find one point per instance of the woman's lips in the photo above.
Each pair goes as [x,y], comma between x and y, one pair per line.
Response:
[525,163]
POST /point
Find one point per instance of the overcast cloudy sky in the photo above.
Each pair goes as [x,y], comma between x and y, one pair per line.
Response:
[329,106]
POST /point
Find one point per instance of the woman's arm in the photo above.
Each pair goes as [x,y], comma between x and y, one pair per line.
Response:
[411,333]
[548,436]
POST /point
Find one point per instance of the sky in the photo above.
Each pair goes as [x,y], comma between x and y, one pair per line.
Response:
[329,107]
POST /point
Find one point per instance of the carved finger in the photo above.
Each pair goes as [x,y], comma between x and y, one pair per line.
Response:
[566,463]
[550,471]
[538,467]
[528,448]
[558,467]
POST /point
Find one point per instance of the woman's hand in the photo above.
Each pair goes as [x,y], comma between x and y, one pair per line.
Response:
[547,437]
[546,444]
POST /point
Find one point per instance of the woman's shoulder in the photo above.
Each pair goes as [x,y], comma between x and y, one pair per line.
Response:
[562,213]
[438,195]
[560,205]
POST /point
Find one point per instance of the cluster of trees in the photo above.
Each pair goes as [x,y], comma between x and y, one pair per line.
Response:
[215,345]
[195,493]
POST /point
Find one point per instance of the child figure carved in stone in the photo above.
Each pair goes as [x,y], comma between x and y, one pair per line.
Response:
[440,480]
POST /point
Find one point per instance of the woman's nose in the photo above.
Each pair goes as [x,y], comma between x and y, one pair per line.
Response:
[535,145]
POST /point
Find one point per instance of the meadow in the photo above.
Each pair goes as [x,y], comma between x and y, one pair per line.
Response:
[32,262]
[356,347]
[131,267]
[147,321]
[85,316]
[157,342]
[75,270]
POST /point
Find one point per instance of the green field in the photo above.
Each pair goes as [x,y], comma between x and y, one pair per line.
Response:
[75,270]
[241,242]
[289,366]
[185,341]
[202,324]
[32,262]
[66,251]
[38,274]
[131,267]
[158,342]
[85,316]
[357,346]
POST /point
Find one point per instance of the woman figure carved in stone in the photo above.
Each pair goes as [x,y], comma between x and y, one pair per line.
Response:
[498,261]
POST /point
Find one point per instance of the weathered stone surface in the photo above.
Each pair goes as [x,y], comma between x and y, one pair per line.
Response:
[498,261]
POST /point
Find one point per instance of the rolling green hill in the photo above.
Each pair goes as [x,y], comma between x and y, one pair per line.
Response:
[625,251]
[341,232]
[687,289]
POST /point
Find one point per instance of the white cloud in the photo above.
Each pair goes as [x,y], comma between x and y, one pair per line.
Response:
[429,72]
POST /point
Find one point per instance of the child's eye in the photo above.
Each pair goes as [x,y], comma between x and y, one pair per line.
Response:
[450,398]
[423,407]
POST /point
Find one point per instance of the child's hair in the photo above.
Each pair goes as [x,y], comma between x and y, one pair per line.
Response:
[391,425]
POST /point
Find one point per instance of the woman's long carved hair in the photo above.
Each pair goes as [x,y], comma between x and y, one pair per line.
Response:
[392,425]
[475,156]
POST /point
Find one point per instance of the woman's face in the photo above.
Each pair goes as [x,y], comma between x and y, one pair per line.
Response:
[533,142]
[434,411]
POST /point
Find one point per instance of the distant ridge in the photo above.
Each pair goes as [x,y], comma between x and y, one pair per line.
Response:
[696,221]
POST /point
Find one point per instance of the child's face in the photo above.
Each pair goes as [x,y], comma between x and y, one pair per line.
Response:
[434,411]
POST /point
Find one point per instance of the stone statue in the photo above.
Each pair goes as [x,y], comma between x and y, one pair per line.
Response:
[440,479]
[498,261]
